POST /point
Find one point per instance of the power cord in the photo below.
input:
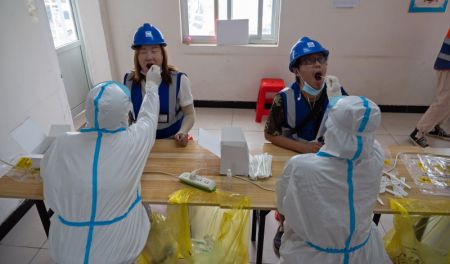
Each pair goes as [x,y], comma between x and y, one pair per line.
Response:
[196,170]
[254,183]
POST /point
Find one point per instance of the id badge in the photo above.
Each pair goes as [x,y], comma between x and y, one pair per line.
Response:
[163,118]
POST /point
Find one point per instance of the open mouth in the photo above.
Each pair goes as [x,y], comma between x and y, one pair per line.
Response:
[149,65]
[318,76]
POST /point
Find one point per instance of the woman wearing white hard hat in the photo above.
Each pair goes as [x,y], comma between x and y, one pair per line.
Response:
[328,197]
[177,114]
[92,179]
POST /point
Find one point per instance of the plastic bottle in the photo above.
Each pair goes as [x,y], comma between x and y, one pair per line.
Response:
[228,180]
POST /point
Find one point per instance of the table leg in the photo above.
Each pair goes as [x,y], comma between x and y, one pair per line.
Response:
[254,222]
[376,218]
[44,215]
[261,227]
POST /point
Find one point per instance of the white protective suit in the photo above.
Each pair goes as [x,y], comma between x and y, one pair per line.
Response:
[327,198]
[92,179]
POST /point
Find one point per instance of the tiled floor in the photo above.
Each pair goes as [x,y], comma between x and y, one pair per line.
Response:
[26,243]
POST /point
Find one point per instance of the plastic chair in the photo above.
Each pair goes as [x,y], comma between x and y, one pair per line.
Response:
[267,86]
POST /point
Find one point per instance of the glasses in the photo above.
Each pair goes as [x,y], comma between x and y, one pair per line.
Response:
[313,60]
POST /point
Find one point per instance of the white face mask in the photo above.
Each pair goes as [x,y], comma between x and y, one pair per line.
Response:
[310,90]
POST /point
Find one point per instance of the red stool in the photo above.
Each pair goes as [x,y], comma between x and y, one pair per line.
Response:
[268,85]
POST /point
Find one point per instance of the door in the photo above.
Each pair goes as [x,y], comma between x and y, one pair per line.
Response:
[70,51]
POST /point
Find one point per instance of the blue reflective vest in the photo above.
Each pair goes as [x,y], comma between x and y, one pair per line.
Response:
[301,122]
[443,59]
[170,114]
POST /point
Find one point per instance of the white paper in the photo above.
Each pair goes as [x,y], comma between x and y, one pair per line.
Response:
[232,32]
[345,3]
[209,142]
[28,135]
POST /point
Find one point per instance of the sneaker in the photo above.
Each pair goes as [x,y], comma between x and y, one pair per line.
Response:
[439,133]
[419,141]
[277,240]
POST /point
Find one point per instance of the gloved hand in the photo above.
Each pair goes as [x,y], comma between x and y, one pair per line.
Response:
[153,77]
[333,86]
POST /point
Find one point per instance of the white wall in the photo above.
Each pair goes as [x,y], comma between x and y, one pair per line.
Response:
[377,49]
[31,84]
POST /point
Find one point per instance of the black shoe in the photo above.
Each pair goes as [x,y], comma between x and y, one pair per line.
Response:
[277,240]
[418,140]
[439,133]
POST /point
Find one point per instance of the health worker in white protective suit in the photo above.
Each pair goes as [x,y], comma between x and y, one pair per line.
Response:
[328,197]
[92,178]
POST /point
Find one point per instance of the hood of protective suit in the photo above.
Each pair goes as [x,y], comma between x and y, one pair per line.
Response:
[107,106]
[350,128]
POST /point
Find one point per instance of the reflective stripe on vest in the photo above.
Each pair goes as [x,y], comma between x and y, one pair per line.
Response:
[443,59]
[168,99]
[296,110]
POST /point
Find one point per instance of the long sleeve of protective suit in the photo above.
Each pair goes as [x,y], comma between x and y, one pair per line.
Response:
[328,198]
[92,179]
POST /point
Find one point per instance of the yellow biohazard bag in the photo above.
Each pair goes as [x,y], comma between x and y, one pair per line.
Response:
[161,246]
[201,234]
[417,239]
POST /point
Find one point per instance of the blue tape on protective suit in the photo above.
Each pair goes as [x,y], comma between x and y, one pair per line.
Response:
[92,223]
[347,250]
[102,223]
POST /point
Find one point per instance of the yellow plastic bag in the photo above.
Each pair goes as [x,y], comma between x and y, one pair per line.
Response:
[161,246]
[208,234]
[401,242]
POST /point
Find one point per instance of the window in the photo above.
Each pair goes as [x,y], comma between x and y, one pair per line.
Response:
[61,22]
[199,19]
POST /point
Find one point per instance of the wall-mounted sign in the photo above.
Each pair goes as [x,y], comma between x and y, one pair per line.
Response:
[427,6]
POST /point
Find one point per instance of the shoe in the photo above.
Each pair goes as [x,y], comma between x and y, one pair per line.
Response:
[277,240]
[439,133]
[418,140]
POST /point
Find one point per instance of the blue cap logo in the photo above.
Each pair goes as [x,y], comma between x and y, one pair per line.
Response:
[148,34]
[310,44]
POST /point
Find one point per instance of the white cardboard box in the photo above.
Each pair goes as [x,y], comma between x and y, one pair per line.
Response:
[34,141]
[233,152]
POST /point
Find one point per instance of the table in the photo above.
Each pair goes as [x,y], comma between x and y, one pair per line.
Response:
[415,192]
[166,157]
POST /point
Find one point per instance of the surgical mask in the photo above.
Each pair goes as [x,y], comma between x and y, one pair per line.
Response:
[310,90]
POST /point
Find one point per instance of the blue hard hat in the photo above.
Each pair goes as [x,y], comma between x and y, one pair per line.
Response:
[148,34]
[305,46]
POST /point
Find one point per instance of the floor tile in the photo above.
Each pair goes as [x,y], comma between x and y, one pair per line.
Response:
[213,118]
[42,257]
[245,119]
[399,123]
[386,222]
[28,232]
[270,230]
[16,255]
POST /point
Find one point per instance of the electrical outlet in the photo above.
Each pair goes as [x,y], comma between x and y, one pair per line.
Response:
[197,181]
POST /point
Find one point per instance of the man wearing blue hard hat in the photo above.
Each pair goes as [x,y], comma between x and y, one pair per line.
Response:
[177,115]
[297,111]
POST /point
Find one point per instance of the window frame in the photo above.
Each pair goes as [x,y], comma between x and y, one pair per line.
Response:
[258,39]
